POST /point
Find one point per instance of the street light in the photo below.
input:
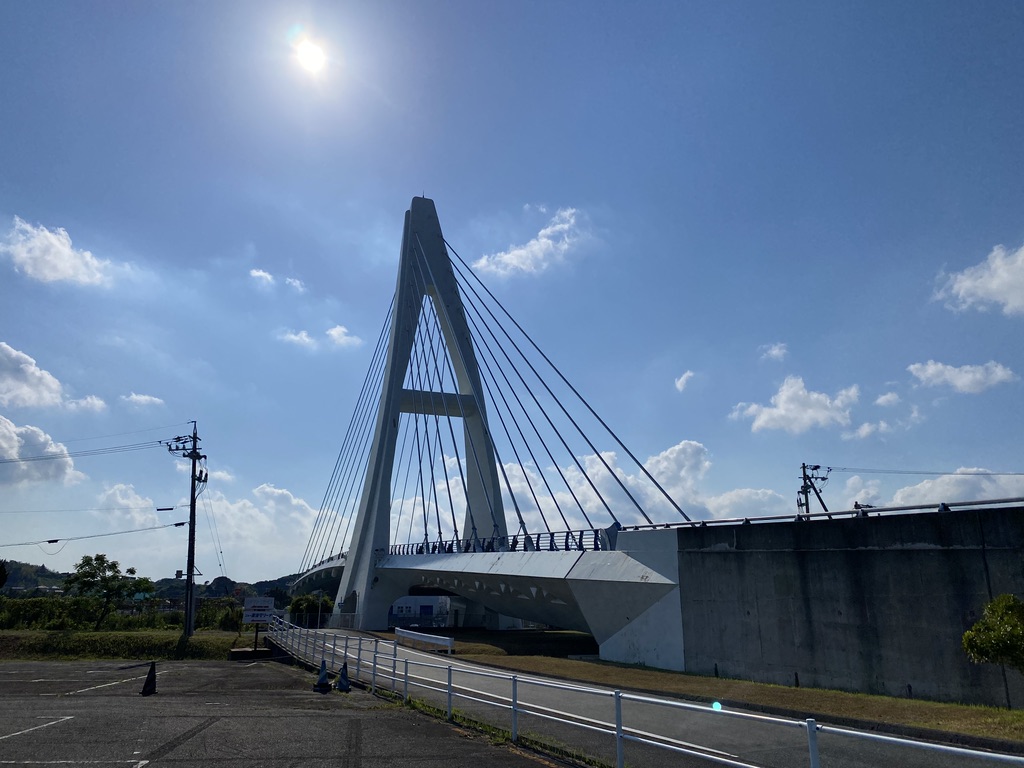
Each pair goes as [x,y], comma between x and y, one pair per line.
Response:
[319,604]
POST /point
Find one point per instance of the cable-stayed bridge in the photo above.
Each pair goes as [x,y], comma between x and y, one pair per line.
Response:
[472,466]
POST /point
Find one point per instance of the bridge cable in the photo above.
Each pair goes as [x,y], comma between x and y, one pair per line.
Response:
[499,462]
[477,396]
[436,367]
[321,526]
[487,366]
[448,419]
[547,417]
[329,518]
[422,387]
[522,436]
[586,405]
[347,467]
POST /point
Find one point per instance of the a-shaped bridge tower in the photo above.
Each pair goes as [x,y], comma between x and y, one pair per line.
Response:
[419,496]
[424,275]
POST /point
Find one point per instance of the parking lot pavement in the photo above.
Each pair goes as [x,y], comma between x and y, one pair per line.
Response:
[221,714]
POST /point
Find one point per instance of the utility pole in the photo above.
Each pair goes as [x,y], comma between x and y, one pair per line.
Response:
[188,448]
[803,502]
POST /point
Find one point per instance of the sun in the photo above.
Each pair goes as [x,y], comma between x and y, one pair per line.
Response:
[311,56]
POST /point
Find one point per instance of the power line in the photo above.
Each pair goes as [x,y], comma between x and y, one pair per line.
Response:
[122,434]
[94,535]
[86,509]
[967,473]
[87,452]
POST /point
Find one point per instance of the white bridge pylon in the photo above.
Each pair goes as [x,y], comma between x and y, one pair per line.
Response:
[460,398]
[424,271]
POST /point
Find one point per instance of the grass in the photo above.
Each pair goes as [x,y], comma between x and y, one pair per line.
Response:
[155,645]
[531,652]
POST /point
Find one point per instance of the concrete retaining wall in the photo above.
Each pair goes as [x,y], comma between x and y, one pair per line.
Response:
[873,604]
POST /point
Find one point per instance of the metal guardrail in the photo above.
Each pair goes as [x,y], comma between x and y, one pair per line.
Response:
[432,641]
[375,663]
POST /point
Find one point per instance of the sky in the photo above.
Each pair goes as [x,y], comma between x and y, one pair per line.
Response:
[752,235]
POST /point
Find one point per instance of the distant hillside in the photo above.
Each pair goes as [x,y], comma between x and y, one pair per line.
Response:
[24,577]
[27,576]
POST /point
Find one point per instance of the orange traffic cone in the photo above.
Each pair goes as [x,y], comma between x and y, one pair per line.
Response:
[149,687]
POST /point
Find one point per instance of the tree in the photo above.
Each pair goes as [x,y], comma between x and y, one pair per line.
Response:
[998,636]
[307,610]
[3,573]
[98,577]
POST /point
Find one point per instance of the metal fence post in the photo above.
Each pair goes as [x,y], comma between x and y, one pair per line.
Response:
[334,649]
[515,709]
[346,647]
[359,656]
[394,666]
[373,673]
[620,756]
[812,742]
[405,684]
[449,693]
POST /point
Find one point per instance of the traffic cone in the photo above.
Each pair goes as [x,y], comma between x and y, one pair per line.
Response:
[342,683]
[322,685]
[149,687]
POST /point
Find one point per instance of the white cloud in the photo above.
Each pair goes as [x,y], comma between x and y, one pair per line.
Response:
[889,398]
[679,468]
[300,339]
[340,336]
[967,378]
[48,256]
[747,502]
[777,351]
[23,383]
[296,284]
[270,528]
[262,277]
[221,476]
[88,403]
[857,491]
[142,401]
[997,280]
[25,442]
[866,430]
[683,380]
[966,484]
[121,505]
[796,410]
[550,246]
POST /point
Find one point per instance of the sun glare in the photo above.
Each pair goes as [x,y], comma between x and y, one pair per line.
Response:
[311,56]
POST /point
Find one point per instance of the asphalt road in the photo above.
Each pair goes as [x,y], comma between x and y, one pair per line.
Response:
[720,737]
[261,715]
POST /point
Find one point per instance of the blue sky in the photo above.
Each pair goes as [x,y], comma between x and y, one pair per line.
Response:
[752,235]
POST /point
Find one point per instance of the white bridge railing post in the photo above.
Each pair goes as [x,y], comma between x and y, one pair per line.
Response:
[812,742]
[515,709]
[620,752]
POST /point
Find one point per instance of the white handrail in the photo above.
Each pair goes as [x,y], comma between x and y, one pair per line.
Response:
[310,646]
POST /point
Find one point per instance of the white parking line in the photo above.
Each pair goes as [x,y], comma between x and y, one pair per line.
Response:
[44,725]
